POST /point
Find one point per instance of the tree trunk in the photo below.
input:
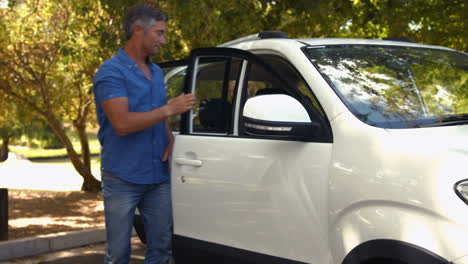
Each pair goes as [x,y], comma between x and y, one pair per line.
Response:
[85,152]
[90,184]
[4,148]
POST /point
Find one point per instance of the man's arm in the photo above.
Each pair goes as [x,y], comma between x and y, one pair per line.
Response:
[125,122]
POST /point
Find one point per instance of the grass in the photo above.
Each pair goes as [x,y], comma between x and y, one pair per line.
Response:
[41,153]
[95,161]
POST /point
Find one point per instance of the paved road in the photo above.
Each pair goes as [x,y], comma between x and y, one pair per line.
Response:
[53,175]
[84,255]
[94,253]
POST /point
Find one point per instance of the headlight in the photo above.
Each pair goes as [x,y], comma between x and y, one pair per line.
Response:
[461,188]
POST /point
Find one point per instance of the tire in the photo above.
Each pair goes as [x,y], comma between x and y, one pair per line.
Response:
[383,261]
[139,228]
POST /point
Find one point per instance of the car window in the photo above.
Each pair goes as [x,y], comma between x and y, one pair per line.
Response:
[223,79]
[291,76]
[215,84]
[175,80]
[397,87]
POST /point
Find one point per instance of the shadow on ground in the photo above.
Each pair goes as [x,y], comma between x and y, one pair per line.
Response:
[92,258]
[33,212]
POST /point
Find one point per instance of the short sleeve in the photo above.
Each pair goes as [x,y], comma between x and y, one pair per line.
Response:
[108,83]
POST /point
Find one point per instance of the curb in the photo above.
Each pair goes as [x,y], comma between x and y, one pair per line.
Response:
[27,247]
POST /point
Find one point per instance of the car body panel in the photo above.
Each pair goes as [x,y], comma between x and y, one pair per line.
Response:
[399,185]
[253,194]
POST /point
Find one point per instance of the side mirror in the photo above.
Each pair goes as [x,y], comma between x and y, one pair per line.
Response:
[277,115]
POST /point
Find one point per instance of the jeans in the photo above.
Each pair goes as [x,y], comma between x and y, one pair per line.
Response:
[154,202]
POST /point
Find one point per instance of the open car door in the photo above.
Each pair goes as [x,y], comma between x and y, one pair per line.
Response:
[233,191]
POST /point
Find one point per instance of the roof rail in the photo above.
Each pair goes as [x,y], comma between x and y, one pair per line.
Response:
[272,34]
[260,35]
[399,39]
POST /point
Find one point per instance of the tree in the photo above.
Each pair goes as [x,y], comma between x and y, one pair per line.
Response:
[16,121]
[435,22]
[51,51]
[8,126]
[202,23]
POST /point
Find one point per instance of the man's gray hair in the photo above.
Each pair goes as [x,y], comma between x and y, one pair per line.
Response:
[142,15]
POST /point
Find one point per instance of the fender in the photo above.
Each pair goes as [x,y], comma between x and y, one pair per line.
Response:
[398,251]
[386,220]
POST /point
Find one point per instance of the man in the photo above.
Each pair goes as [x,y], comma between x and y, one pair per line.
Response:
[136,142]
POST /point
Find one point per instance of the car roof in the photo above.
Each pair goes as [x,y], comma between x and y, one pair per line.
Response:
[353,41]
[282,42]
[257,40]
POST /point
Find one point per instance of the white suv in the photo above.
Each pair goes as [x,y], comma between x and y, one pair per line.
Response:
[323,151]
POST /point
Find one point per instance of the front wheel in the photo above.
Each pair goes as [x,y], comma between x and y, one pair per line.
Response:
[383,261]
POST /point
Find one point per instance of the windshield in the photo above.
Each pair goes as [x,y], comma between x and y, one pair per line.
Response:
[397,87]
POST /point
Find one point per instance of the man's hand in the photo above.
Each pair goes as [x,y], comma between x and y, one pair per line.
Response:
[181,104]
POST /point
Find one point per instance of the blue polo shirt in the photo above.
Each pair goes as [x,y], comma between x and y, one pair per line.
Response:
[136,157]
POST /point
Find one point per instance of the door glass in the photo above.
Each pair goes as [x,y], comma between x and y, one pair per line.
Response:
[174,87]
[215,87]
[262,82]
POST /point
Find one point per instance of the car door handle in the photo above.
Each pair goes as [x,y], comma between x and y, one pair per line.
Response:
[191,162]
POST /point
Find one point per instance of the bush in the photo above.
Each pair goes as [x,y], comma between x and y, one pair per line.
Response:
[38,134]
[51,141]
